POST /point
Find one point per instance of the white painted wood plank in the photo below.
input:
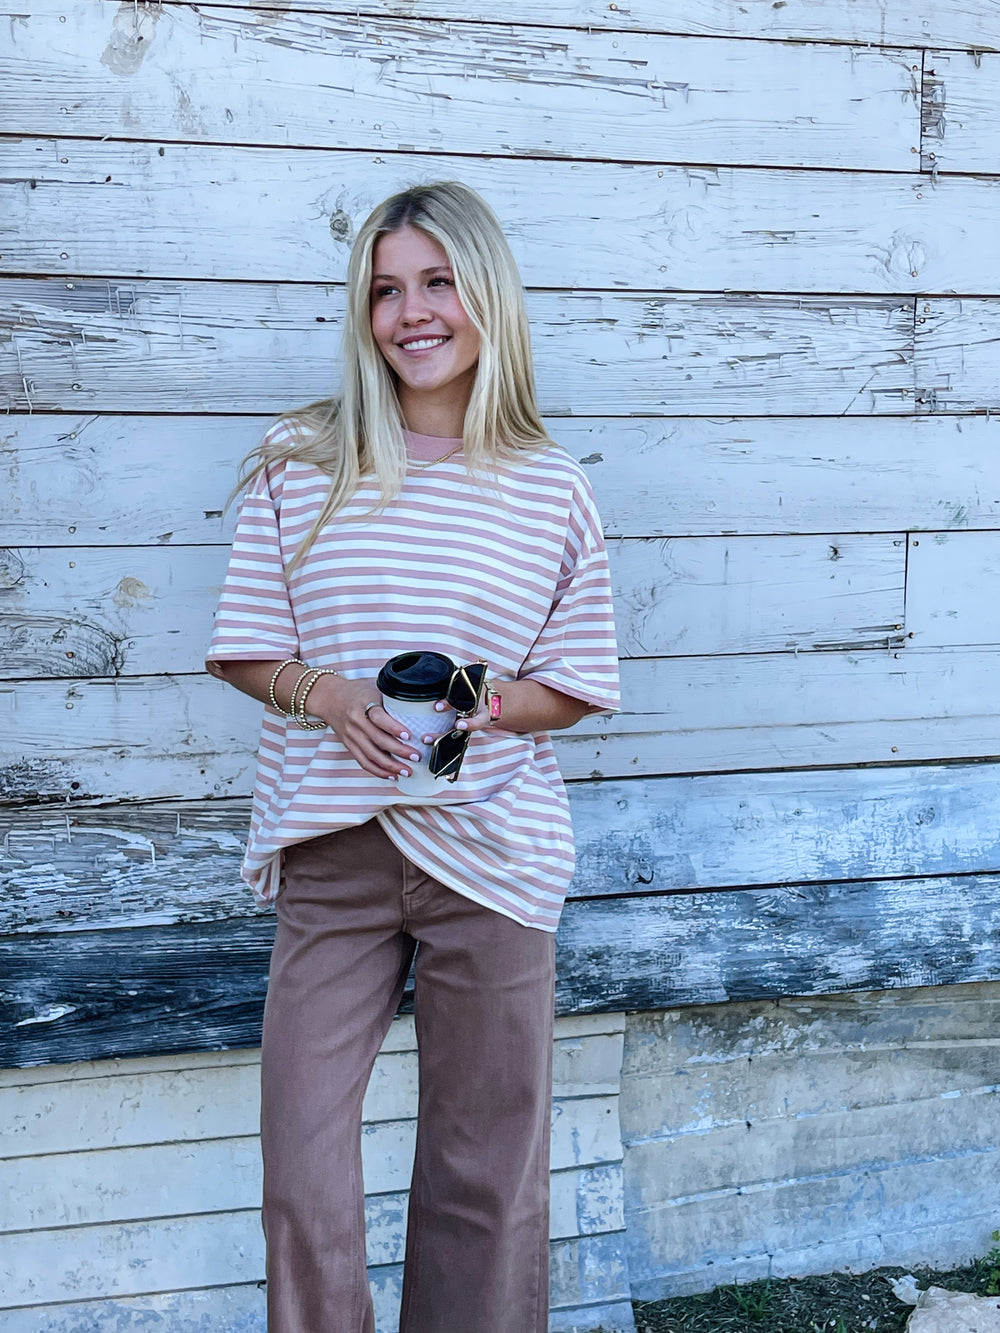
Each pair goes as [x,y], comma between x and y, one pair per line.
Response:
[950,23]
[88,480]
[98,480]
[127,611]
[770,828]
[146,1064]
[961,111]
[87,1263]
[953,588]
[264,214]
[957,360]
[136,1110]
[214,74]
[237,1309]
[793,828]
[693,1069]
[715,1226]
[99,1187]
[780,1153]
[249,347]
[107,611]
[676,596]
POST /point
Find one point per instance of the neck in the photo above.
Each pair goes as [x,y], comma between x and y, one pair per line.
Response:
[430,414]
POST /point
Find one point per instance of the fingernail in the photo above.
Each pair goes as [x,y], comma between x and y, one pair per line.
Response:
[440,705]
[404,772]
[415,758]
[428,740]
[404,735]
[461,726]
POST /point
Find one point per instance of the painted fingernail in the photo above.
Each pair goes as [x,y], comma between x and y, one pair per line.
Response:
[428,740]
[404,772]
[415,758]
[440,705]
[461,726]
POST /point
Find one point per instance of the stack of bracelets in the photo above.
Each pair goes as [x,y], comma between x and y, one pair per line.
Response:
[300,692]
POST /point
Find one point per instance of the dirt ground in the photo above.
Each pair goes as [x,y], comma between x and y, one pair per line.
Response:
[835,1303]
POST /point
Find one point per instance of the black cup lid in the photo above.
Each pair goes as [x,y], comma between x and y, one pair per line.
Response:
[416,677]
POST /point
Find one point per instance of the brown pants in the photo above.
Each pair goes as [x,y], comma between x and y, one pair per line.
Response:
[351,914]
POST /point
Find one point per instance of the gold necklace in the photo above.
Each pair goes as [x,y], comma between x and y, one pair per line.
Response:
[431,461]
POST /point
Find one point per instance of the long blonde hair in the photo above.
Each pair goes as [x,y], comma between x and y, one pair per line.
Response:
[360,432]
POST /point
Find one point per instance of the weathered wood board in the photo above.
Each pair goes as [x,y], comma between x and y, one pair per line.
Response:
[953,588]
[961,111]
[264,214]
[957,363]
[950,23]
[88,479]
[196,1096]
[94,868]
[104,611]
[201,987]
[254,347]
[180,72]
[682,715]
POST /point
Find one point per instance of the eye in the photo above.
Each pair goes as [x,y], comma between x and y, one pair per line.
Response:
[383,289]
[445,282]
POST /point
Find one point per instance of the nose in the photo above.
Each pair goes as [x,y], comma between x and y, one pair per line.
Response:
[414,309]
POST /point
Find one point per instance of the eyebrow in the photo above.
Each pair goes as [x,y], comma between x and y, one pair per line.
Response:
[434,268]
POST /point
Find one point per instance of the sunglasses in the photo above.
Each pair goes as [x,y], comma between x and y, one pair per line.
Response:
[464,694]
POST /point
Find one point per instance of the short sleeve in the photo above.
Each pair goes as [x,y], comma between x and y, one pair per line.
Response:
[576,652]
[254,619]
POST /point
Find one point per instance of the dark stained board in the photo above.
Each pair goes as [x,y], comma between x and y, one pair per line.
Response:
[163,989]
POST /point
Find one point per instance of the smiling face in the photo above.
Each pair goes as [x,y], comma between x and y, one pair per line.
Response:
[422,330]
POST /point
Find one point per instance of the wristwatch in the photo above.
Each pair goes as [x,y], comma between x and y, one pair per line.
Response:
[494,702]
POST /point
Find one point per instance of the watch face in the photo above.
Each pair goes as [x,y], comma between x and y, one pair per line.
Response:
[496,703]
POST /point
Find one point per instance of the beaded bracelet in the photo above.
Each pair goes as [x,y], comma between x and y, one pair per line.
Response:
[300,707]
[271,696]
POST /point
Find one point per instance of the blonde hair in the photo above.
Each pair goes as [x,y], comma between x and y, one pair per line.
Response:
[360,431]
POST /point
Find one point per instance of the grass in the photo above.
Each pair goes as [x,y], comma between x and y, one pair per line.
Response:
[834,1303]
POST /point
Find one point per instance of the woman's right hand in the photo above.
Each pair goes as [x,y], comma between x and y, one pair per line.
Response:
[377,741]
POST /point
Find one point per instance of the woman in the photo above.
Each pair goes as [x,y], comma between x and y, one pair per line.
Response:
[425,508]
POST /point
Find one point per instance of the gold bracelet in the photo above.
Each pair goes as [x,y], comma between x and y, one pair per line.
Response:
[292,703]
[271,696]
[300,715]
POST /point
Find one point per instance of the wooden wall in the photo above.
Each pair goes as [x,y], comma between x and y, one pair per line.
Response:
[759,250]
[759,247]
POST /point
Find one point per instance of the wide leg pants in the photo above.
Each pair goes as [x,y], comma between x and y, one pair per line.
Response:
[351,914]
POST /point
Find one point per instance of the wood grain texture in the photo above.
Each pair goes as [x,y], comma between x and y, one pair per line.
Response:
[248,347]
[93,868]
[949,23]
[86,480]
[264,214]
[960,111]
[957,362]
[182,73]
[108,611]
[194,1097]
[953,588]
[201,987]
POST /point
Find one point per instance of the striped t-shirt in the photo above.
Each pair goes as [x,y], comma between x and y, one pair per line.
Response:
[511,569]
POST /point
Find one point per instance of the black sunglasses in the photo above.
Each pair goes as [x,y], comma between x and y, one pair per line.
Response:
[465,694]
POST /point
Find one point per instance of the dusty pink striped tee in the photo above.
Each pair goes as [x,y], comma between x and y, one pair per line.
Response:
[515,573]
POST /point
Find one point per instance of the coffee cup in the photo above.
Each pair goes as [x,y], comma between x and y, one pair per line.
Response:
[411,684]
